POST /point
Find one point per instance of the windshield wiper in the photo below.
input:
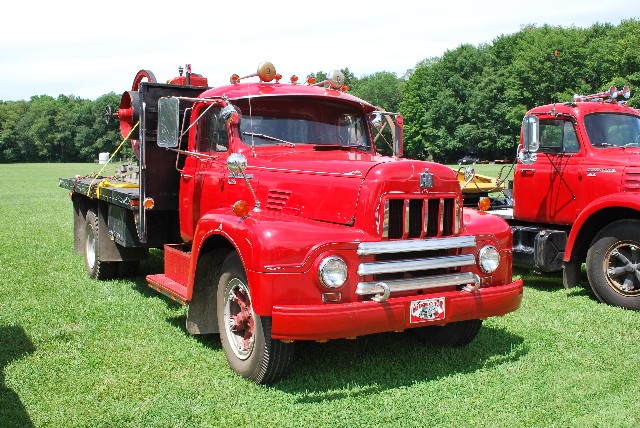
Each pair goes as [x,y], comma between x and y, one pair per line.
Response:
[270,138]
[603,145]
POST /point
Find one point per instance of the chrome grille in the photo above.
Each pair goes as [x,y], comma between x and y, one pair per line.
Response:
[408,218]
[416,264]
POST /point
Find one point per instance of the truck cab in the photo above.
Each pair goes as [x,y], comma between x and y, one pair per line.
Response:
[575,194]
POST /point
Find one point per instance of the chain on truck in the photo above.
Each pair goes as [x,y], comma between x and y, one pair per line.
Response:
[280,222]
[575,199]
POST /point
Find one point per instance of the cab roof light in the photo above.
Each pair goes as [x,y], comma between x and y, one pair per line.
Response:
[612,94]
[294,79]
[266,72]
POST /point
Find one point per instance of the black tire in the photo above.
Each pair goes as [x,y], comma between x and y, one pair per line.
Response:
[613,264]
[451,335]
[96,268]
[245,336]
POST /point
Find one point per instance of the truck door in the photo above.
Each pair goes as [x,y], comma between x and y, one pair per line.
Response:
[548,190]
[202,179]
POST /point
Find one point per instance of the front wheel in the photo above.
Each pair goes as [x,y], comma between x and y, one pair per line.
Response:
[245,336]
[613,264]
[454,334]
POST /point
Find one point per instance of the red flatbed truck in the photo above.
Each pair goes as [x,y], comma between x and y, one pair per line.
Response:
[280,222]
[575,194]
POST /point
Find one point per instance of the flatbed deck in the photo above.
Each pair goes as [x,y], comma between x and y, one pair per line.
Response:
[108,189]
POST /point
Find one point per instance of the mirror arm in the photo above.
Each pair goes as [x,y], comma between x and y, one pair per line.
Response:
[194,154]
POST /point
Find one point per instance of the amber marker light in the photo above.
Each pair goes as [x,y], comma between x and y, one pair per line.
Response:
[294,79]
[241,208]
[278,77]
[149,203]
[134,202]
[484,204]
[311,80]
[332,297]
[234,79]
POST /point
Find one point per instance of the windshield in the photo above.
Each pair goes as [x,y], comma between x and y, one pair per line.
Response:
[302,120]
[613,130]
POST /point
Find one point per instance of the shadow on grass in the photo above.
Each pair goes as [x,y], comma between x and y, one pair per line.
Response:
[369,364]
[149,266]
[552,282]
[14,344]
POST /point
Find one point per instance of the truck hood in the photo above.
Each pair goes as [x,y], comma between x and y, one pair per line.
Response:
[327,185]
[322,185]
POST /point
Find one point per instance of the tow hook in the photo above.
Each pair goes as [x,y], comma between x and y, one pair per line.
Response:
[472,287]
[384,296]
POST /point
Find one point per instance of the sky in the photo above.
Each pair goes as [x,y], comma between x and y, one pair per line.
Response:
[90,48]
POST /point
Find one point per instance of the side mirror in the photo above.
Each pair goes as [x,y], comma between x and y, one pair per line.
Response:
[168,122]
[531,134]
[398,137]
[237,163]
[530,140]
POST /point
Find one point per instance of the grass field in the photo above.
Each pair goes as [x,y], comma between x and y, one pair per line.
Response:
[80,353]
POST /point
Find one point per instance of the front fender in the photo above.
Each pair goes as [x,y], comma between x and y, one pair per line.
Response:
[486,226]
[616,200]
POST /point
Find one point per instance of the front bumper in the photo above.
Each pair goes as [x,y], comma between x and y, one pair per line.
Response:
[348,320]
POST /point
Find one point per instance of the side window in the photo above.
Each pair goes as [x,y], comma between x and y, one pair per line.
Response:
[212,132]
[558,136]
[570,142]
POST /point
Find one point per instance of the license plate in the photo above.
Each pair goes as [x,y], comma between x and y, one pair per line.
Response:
[427,310]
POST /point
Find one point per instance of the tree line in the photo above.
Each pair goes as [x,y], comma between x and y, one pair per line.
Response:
[469,100]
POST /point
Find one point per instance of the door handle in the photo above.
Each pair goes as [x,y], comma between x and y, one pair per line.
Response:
[527,171]
[186,176]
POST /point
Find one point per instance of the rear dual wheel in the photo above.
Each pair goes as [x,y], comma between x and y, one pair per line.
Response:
[96,267]
[245,336]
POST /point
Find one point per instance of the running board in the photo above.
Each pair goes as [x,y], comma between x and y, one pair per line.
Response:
[168,287]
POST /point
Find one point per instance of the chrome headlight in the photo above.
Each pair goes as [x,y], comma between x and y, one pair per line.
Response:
[332,272]
[488,259]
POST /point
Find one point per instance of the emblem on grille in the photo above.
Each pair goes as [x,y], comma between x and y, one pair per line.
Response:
[426,179]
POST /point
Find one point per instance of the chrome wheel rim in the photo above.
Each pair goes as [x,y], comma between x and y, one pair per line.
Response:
[90,248]
[239,319]
[622,268]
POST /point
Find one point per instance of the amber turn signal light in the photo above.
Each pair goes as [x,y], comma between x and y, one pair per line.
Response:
[241,208]
[484,204]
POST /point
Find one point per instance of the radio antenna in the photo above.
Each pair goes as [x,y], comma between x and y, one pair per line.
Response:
[555,74]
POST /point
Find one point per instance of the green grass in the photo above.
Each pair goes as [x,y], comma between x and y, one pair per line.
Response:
[76,352]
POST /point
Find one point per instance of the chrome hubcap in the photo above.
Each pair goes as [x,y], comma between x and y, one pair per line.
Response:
[239,319]
[622,264]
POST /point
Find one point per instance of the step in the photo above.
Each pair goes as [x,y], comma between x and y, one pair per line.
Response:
[176,263]
[168,287]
